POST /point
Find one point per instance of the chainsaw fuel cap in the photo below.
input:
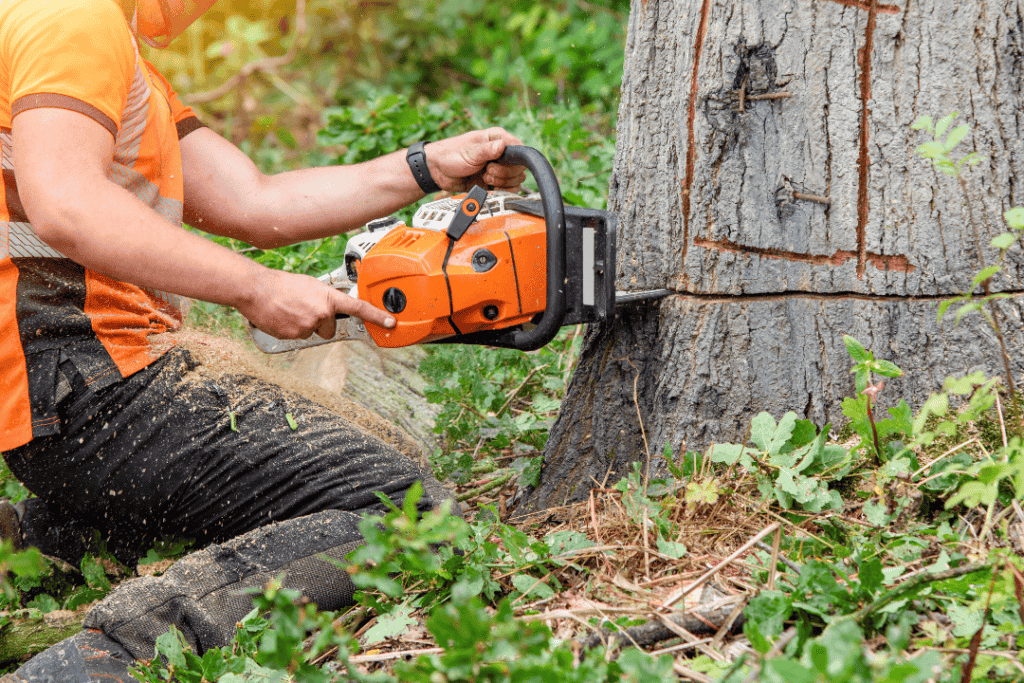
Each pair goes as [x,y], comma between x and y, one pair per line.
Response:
[394,300]
[484,260]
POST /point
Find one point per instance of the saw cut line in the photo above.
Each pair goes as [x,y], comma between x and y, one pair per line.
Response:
[815,296]
[691,117]
[885,262]
[866,5]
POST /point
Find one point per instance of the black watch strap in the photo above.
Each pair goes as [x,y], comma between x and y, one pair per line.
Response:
[417,159]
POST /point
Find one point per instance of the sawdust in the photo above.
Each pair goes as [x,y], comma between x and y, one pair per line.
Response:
[219,356]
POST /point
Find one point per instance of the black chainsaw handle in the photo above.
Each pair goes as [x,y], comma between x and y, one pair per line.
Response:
[554,218]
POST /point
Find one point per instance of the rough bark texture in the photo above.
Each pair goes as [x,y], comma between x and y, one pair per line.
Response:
[708,202]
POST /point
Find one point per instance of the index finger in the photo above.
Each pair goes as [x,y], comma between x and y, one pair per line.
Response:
[343,303]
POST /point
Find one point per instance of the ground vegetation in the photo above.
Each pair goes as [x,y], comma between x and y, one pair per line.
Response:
[885,548]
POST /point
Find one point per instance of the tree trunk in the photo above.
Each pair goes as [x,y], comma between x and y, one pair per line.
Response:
[735,115]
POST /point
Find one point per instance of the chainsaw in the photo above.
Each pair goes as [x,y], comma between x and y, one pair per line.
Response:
[498,269]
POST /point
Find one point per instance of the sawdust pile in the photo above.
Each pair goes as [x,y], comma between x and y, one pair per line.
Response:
[220,355]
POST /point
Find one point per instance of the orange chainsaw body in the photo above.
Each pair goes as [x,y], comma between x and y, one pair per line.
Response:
[494,278]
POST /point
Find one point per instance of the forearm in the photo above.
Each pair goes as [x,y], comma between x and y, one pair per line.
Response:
[320,202]
[227,195]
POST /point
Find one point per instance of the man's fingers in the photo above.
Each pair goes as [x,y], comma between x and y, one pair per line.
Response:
[504,176]
[360,309]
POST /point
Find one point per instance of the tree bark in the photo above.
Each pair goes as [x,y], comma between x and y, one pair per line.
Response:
[735,115]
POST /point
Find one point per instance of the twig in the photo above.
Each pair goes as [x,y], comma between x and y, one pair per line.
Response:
[951,451]
[773,568]
[716,641]
[967,669]
[640,420]
[770,96]
[785,521]
[918,580]
[497,482]
[384,656]
[681,646]
[647,549]
[266,65]
[812,198]
[515,392]
[679,595]
[690,673]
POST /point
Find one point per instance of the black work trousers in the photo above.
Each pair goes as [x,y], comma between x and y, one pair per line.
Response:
[175,451]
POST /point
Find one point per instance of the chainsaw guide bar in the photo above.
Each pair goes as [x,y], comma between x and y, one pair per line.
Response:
[495,269]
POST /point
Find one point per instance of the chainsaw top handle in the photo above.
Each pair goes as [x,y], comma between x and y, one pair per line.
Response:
[554,219]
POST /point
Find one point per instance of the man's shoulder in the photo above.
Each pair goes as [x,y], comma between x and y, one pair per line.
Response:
[62,15]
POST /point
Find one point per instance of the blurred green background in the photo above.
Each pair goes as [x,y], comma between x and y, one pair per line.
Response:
[347,80]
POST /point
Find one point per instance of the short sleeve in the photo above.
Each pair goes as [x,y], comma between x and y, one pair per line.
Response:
[185,120]
[68,54]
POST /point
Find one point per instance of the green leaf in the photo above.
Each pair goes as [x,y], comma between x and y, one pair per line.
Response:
[1015,218]
[984,274]
[804,432]
[1004,241]
[45,603]
[702,493]
[923,123]
[931,150]
[887,369]
[169,645]
[870,576]
[944,123]
[944,306]
[762,429]
[727,453]
[28,562]
[95,574]
[391,625]
[956,135]
[671,548]
[856,350]
[528,585]
[876,513]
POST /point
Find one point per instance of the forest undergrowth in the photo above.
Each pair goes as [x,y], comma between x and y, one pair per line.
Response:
[886,549]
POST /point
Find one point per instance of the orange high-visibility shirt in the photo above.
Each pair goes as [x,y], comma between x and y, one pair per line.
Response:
[79,55]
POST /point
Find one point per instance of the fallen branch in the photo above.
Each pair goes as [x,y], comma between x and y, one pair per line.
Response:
[385,656]
[497,482]
[700,620]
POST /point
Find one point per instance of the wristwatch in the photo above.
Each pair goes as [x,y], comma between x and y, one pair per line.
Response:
[417,159]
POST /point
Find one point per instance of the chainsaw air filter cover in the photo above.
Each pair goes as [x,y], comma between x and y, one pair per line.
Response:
[494,277]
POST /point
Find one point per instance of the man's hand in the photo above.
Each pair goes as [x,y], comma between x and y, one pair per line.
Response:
[458,163]
[291,306]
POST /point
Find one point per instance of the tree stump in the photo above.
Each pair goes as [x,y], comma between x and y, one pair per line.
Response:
[766,172]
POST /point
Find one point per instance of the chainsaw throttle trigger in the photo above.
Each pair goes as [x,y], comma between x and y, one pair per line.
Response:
[467,213]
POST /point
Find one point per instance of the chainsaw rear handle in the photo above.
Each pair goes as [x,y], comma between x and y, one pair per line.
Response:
[554,218]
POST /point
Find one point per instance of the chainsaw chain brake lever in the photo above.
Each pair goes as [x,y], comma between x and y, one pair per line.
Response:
[469,209]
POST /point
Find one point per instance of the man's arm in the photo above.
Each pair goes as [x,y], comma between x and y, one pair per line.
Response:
[225,194]
[60,162]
